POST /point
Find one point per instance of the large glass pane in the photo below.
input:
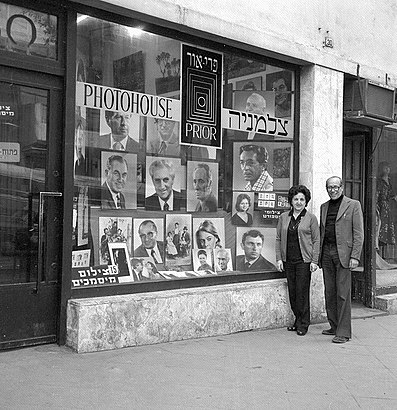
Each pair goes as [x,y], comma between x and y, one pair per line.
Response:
[156,207]
[23,147]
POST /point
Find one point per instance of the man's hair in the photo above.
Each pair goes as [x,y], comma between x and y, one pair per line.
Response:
[162,163]
[207,170]
[223,252]
[299,189]
[115,158]
[147,222]
[335,176]
[202,252]
[253,233]
[135,262]
[261,152]
[284,75]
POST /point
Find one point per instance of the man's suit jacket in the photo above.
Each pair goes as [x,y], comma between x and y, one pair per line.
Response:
[152,203]
[107,201]
[140,251]
[349,230]
[260,264]
[104,141]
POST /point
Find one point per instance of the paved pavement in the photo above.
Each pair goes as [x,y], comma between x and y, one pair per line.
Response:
[271,369]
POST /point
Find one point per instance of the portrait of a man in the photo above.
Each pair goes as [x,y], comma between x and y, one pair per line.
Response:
[202,187]
[280,83]
[162,176]
[149,233]
[118,190]
[223,260]
[252,242]
[120,138]
[163,137]
[79,145]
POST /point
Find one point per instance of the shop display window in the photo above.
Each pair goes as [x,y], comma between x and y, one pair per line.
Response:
[183,158]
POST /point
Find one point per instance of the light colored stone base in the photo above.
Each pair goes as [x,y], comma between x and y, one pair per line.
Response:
[113,322]
[387,303]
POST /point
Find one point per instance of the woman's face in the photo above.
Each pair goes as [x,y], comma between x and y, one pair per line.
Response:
[206,240]
[298,202]
[244,205]
[386,170]
[149,267]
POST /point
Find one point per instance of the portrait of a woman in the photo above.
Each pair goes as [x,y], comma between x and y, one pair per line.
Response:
[207,236]
[242,217]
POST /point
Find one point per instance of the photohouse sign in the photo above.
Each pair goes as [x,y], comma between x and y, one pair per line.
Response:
[201,97]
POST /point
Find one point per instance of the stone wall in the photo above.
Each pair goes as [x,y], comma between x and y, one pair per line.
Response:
[114,322]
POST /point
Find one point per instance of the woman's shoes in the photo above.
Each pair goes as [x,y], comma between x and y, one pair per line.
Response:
[301,332]
[291,328]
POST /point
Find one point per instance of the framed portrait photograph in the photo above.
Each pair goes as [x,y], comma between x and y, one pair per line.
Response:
[250,84]
[118,180]
[162,137]
[148,239]
[163,184]
[243,208]
[262,166]
[202,186]
[255,249]
[280,83]
[202,262]
[256,102]
[81,258]
[178,239]
[120,257]
[222,260]
[208,233]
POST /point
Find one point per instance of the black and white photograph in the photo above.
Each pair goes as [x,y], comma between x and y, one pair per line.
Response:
[202,262]
[202,186]
[280,83]
[255,249]
[222,260]
[148,239]
[178,240]
[81,258]
[243,208]
[208,233]
[118,180]
[254,102]
[162,137]
[163,184]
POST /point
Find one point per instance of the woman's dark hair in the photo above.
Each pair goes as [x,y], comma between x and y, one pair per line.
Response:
[240,198]
[299,189]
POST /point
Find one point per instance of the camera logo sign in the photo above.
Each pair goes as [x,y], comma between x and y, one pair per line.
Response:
[201,97]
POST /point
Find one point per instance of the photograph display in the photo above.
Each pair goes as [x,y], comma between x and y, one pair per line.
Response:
[161,209]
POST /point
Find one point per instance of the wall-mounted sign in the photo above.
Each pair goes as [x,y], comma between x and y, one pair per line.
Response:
[271,205]
[10,152]
[201,102]
[7,112]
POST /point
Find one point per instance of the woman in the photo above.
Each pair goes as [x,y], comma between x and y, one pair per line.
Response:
[297,252]
[242,217]
[207,236]
[171,248]
[384,193]
[152,271]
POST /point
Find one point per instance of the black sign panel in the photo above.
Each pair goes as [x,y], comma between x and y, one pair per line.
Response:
[201,97]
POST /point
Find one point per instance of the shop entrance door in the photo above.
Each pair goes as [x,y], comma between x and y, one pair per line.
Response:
[30,206]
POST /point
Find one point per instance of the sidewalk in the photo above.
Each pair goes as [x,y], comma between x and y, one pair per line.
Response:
[271,369]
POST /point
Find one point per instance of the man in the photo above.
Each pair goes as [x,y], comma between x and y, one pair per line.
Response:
[167,141]
[282,96]
[150,246]
[222,259]
[253,163]
[79,165]
[185,242]
[119,138]
[116,173]
[341,242]
[252,260]
[255,104]
[202,184]
[165,198]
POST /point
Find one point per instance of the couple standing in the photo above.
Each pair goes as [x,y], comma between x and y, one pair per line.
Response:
[336,246]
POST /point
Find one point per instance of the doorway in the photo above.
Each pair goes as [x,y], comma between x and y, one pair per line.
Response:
[31,134]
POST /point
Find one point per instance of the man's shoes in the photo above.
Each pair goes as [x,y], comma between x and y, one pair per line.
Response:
[329,332]
[301,332]
[291,328]
[340,339]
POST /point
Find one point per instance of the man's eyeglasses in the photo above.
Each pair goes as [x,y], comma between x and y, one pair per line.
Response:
[333,187]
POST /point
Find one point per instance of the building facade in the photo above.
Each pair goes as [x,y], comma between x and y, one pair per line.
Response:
[147,152]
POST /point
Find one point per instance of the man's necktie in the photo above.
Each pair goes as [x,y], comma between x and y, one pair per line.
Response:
[163,147]
[153,253]
[166,207]
[247,265]
[118,203]
[118,146]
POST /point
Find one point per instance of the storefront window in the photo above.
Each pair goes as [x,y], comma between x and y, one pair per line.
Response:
[386,207]
[183,157]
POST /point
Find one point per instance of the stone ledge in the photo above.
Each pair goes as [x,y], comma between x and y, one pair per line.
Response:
[118,321]
[387,303]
